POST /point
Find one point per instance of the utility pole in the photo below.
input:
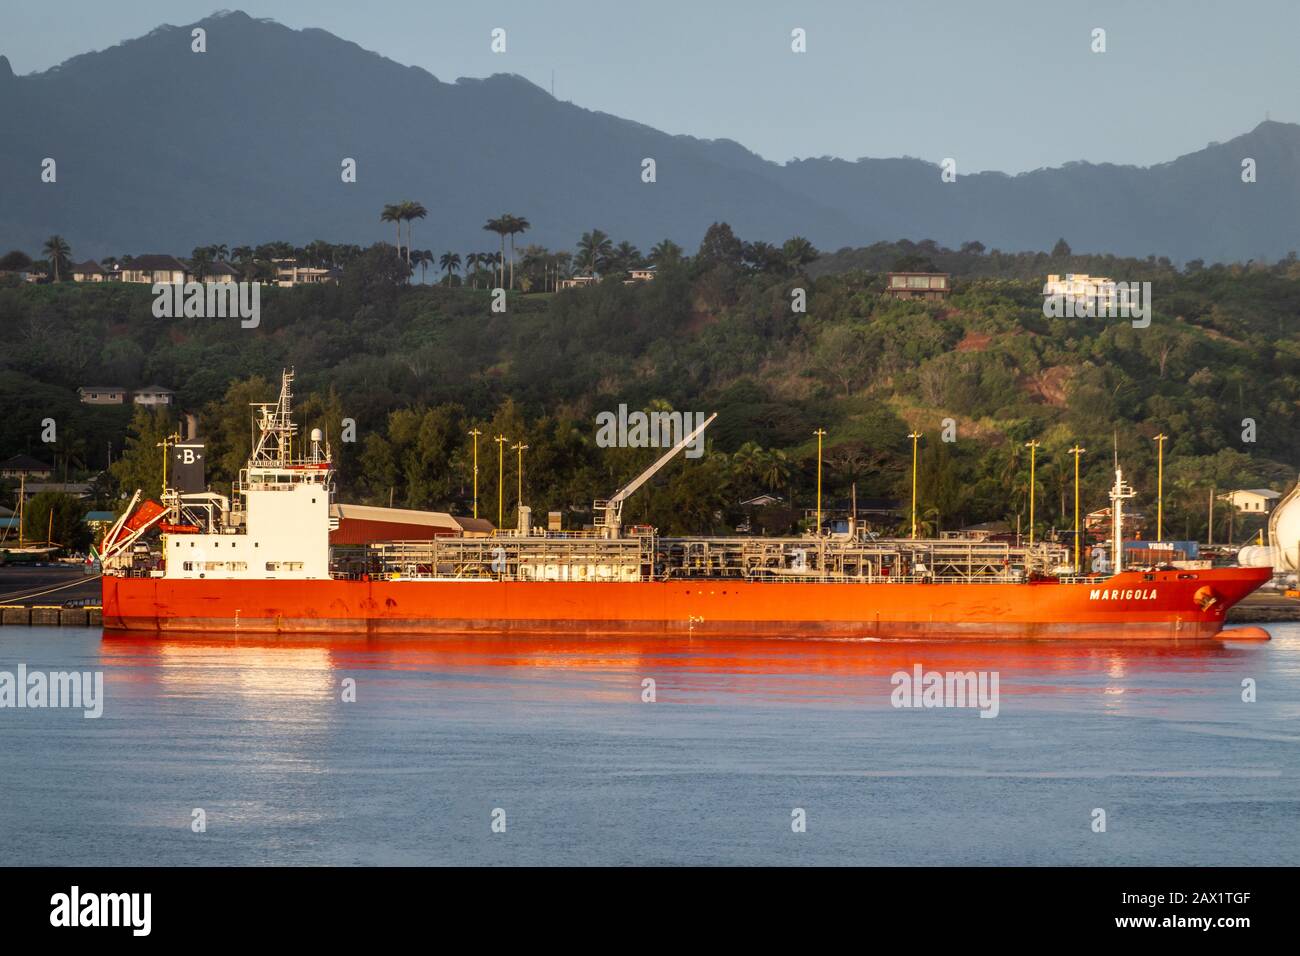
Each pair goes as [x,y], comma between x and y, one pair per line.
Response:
[1076,451]
[1160,486]
[520,448]
[820,433]
[1033,445]
[916,437]
[501,478]
[475,433]
[1210,530]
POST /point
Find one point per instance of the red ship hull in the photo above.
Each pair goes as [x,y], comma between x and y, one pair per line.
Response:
[1181,605]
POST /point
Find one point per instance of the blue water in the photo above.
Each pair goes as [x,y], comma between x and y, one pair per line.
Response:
[555,733]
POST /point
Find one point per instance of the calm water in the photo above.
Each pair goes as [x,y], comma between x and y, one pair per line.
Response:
[555,733]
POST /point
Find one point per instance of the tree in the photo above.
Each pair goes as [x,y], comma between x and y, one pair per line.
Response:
[665,253]
[56,519]
[410,211]
[200,262]
[594,250]
[393,213]
[500,226]
[57,251]
[141,462]
[450,263]
[797,253]
[513,226]
[1061,250]
[719,247]
[16,261]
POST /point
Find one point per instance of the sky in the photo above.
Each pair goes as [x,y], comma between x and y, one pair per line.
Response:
[1010,85]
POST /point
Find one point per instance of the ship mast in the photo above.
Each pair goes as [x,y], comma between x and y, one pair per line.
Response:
[1120,493]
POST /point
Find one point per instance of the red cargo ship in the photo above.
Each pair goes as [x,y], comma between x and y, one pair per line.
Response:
[262,562]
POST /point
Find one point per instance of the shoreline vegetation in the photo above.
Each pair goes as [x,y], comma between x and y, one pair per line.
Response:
[417,365]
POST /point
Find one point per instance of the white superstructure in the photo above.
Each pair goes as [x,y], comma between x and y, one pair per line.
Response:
[279,523]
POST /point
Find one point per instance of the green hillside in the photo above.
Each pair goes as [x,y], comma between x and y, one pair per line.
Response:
[416,367]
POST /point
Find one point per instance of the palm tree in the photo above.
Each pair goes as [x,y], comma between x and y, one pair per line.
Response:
[57,251]
[776,469]
[798,252]
[450,263]
[594,249]
[471,266]
[200,259]
[500,227]
[411,211]
[421,258]
[514,225]
[220,252]
[244,256]
[665,252]
[393,213]
[563,264]
[625,256]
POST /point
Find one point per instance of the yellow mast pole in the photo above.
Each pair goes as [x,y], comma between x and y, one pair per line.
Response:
[1076,451]
[1160,489]
[22,513]
[475,433]
[820,433]
[1033,445]
[501,477]
[916,437]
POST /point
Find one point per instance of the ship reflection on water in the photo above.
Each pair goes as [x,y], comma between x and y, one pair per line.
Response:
[684,669]
[673,750]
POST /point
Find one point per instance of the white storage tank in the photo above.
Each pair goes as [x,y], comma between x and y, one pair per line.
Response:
[1284,532]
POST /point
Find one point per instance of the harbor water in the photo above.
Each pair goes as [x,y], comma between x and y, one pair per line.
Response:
[488,749]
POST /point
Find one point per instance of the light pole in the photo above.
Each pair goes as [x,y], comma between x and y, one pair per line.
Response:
[916,437]
[820,433]
[501,478]
[1033,445]
[1160,486]
[519,447]
[1076,451]
[475,432]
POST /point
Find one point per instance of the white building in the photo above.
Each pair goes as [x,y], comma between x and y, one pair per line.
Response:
[1252,500]
[154,395]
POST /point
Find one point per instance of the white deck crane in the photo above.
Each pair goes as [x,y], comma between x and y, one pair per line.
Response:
[608,515]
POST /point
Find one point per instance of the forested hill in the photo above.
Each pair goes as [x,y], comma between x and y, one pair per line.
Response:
[417,367]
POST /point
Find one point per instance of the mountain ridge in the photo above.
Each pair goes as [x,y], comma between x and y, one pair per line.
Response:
[198,152]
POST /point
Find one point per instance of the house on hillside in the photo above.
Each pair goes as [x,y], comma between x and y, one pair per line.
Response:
[155,268]
[640,275]
[577,282]
[89,271]
[1252,500]
[290,273]
[218,272]
[931,286]
[25,466]
[102,394]
[153,395]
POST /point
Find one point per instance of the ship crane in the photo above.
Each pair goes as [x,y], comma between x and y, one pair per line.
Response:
[608,515]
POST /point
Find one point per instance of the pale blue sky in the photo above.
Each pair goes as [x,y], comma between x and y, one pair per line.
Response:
[999,84]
